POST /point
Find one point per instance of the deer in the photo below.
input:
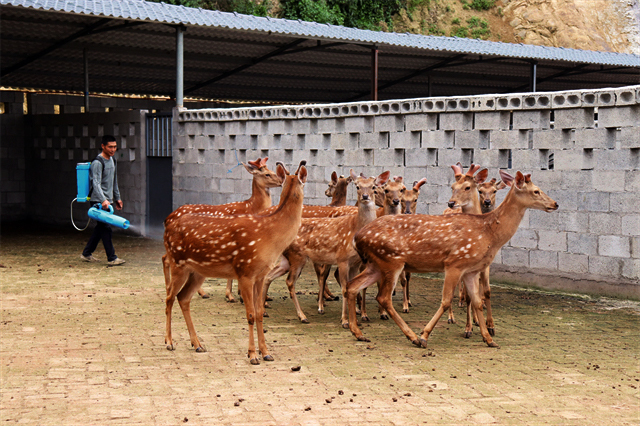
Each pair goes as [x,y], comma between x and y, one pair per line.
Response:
[242,247]
[409,206]
[263,180]
[487,192]
[461,246]
[329,241]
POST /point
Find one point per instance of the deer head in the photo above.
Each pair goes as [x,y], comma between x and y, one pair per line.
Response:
[464,189]
[262,176]
[487,192]
[392,193]
[367,187]
[527,193]
[337,190]
[410,197]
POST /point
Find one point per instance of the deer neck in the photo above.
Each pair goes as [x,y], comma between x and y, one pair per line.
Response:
[339,197]
[503,221]
[473,207]
[366,213]
[260,197]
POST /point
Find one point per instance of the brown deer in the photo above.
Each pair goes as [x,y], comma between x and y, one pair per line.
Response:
[240,247]
[329,241]
[460,245]
[409,206]
[487,192]
[260,199]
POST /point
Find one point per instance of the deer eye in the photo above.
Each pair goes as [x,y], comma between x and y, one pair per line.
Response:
[386,191]
[536,192]
[467,188]
[495,191]
[268,175]
[357,187]
[402,191]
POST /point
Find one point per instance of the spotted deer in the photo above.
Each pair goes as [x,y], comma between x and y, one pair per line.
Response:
[487,192]
[409,206]
[329,241]
[263,180]
[242,247]
[461,246]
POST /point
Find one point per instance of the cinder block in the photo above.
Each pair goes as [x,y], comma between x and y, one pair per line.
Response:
[406,140]
[457,104]
[524,159]
[515,257]
[574,118]
[508,139]
[482,103]
[595,138]
[301,126]
[456,121]
[632,181]
[613,159]
[572,221]
[538,119]
[593,201]
[376,140]
[629,137]
[509,102]
[524,238]
[420,122]
[327,125]
[574,263]
[471,139]
[552,241]
[605,223]
[608,181]
[552,139]
[433,105]
[630,225]
[437,139]
[448,157]
[569,160]
[624,202]
[357,124]
[605,266]
[543,259]
[620,116]
[566,100]
[635,247]
[494,121]
[614,246]
[625,96]
[536,101]
[388,123]
[631,268]
[316,141]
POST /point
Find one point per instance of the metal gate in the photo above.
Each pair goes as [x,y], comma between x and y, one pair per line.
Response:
[159,171]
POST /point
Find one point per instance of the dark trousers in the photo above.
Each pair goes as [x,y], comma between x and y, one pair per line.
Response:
[103,232]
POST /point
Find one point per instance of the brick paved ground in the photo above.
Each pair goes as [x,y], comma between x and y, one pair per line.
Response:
[84,344]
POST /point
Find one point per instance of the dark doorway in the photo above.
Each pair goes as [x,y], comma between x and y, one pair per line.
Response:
[159,172]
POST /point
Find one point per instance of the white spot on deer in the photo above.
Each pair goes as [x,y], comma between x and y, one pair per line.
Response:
[235,253]
[469,245]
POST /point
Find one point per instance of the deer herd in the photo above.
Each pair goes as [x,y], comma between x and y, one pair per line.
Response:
[379,240]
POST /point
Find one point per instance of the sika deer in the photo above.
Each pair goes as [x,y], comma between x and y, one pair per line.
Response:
[487,192]
[460,245]
[329,241]
[409,206]
[240,247]
[260,199]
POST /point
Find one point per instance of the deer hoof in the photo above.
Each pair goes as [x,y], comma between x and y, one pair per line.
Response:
[254,361]
[365,318]
[345,325]
[467,334]
[405,310]
[492,331]
[200,349]
[205,296]
[363,339]
[451,321]
[304,321]
[269,299]
[493,345]
[268,358]
[384,317]
[410,304]
[421,343]
[230,300]
[265,315]
[321,311]
[170,347]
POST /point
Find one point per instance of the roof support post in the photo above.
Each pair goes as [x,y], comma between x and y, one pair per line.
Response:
[85,56]
[374,73]
[180,65]
[534,75]
[429,93]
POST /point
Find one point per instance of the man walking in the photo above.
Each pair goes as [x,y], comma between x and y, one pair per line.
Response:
[105,190]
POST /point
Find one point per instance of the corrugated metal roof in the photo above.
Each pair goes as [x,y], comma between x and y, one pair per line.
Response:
[167,13]
[327,64]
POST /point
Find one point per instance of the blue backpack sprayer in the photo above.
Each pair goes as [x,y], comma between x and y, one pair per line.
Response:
[82,172]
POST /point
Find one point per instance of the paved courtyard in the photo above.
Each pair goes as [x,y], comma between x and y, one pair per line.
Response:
[83,344]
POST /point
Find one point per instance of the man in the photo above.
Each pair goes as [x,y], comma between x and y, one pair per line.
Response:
[105,190]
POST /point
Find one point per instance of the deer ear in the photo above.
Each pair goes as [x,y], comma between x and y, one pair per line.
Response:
[334,177]
[519,179]
[251,167]
[527,177]
[481,176]
[383,178]
[302,173]
[506,178]
[417,185]
[398,179]
[501,185]
[353,175]
[281,171]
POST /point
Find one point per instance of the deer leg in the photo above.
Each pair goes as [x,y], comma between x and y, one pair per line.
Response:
[259,308]
[471,282]
[364,279]
[462,296]
[486,288]
[385,289]
[194,282]
[297,263]
[174,283]
[246,285]
[468,329]
[363,305]
[404,281]
[228,294]
[451,279]
[278,271]
[322,273]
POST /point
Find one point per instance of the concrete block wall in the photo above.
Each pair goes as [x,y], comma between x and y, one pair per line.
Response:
[56,143]
[582,148]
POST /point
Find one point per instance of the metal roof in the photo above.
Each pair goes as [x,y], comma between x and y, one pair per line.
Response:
[131,49]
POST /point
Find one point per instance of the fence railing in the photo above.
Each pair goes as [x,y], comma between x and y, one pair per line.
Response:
[159,135]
